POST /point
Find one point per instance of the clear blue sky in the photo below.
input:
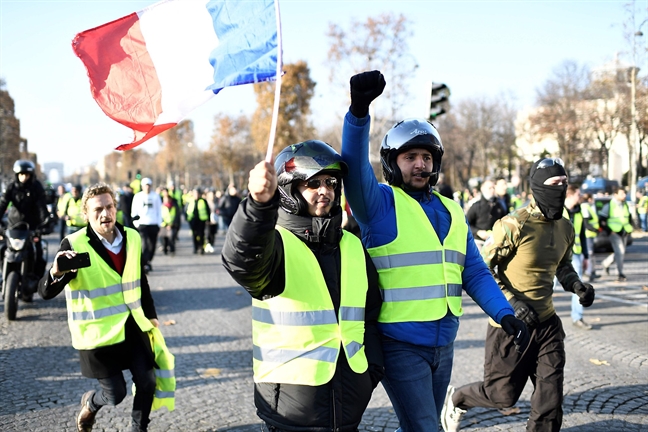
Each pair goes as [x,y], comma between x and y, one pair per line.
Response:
[478,48]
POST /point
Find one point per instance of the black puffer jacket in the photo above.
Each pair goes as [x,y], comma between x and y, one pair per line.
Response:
[253,255]
[28,203]
[483,214]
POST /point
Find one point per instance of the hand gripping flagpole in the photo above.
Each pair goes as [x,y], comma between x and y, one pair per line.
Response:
[275,109]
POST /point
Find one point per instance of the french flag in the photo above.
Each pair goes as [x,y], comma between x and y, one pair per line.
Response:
[149,69]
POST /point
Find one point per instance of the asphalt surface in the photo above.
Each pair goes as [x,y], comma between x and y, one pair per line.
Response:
[205,318]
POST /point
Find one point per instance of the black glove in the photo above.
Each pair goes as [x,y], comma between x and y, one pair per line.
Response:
[365,87]
[516,328]
[525,313]
[585,293]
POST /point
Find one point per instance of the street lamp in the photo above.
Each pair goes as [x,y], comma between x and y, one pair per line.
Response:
[634,136]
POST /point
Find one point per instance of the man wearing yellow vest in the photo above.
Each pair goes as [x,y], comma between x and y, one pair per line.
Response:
[425,255]
[591,221]
[73,213]
[110,309]
[616,219]
[580,254]
[61,206]
[316,354]
[528,248]
[197,216]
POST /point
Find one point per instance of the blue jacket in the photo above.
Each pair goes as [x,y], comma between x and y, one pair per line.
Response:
[372,204]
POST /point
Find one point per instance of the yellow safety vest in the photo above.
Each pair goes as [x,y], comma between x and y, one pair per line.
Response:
[75,214]
[642,207]
[619,217]
[203,212]
[577,249]
[99,300]
[168,215]
[62,203]
[420,277]
[593,220]
[165,382]
[296,335]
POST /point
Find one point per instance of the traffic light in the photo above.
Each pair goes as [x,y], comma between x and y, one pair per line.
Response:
[439,100]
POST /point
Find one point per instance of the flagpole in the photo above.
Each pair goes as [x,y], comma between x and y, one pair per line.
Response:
[275,109]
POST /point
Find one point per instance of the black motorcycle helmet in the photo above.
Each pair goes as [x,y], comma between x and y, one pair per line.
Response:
[410,133]
[302,161]
[24,166]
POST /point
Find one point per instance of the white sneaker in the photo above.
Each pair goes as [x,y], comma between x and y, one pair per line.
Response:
[451,415]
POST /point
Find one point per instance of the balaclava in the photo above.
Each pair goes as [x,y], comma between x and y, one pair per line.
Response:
[550,199]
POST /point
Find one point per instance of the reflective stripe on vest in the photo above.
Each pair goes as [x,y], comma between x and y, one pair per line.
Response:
[619,217]
[99,301]
[421,278]
[296,335]
[165,382]
[203,213]
[577,249]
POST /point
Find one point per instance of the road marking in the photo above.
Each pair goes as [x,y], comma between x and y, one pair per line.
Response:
[618,300]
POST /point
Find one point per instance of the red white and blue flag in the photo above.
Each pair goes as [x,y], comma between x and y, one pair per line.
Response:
[149,69]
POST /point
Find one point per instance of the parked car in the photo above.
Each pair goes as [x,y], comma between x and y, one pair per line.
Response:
[602,240]
[642,184]
[594,185]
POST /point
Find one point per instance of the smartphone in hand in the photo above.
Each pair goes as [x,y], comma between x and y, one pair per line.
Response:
[80,260]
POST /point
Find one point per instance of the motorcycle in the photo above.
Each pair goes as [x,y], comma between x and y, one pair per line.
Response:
[19,278]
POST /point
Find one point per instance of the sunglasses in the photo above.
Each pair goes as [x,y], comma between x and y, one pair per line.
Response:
[546,163]
[331,183]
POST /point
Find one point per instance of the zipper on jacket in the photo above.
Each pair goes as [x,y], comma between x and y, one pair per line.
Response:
[335,428]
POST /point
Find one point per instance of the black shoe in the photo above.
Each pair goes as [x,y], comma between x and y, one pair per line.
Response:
[607,271]
[621,278]
[86,417]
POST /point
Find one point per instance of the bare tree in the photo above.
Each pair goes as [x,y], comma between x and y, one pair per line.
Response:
[230,146]
[560,115]
[174,146]
[379,43]
[293,124]
[479,139]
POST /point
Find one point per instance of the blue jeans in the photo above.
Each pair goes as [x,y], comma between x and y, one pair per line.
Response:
[576,307]
[416,380]
[643,218]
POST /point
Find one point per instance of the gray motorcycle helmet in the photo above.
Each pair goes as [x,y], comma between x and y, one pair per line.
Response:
[301,161]
[410,133]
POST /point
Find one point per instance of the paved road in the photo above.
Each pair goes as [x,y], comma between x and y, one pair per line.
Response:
[208,328]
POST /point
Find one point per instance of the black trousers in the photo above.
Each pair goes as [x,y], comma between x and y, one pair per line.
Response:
[506,373]
[113,389]
[149,235]
[211,233]
[198,234]
[62,228]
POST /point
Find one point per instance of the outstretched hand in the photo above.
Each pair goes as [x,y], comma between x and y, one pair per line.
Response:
[365,87]
[262,183]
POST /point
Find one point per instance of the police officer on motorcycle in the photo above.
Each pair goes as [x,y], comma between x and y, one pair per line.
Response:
[27,196]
